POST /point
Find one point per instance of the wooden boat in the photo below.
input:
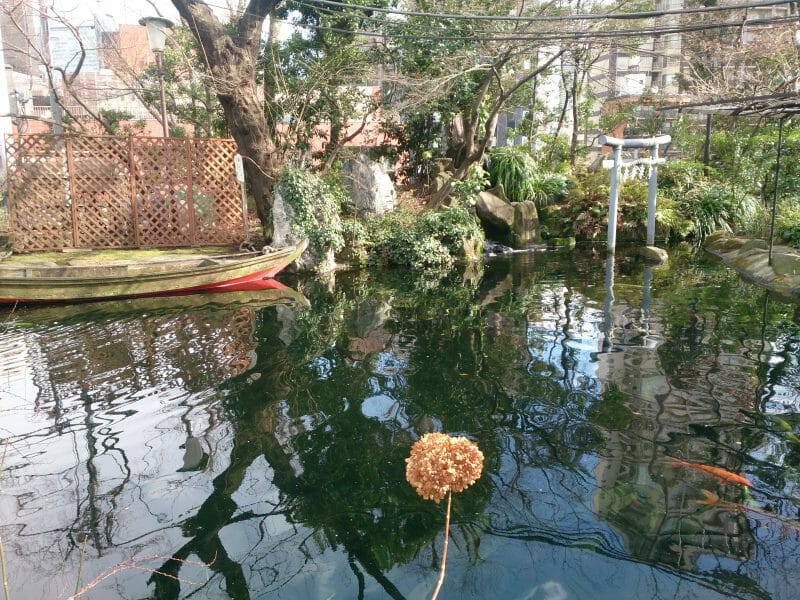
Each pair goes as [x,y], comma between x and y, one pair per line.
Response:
[130,279]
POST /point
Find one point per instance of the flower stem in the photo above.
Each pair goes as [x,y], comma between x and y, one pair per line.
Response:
[444,549]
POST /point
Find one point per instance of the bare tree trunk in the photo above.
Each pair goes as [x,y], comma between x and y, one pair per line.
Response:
[575,92]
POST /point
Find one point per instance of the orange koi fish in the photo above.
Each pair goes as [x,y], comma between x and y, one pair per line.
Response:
[711,499]
[717,472]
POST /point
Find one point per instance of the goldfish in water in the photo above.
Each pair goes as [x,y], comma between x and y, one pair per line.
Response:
[711,499]
[717,472]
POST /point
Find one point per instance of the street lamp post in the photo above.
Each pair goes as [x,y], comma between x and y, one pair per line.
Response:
[157,35]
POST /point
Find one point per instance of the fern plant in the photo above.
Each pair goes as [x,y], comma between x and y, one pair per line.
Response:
[514,168]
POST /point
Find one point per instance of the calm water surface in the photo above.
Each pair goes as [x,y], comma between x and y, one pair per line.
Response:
[256,450]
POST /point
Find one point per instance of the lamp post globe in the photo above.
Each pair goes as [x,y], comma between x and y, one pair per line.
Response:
[157,36]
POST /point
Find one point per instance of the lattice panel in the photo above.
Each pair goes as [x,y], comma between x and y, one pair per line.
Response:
[101,186]
[38,193]
[217,196]
[161,183]
[102,191]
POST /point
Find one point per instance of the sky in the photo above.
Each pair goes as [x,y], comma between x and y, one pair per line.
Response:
[113,13]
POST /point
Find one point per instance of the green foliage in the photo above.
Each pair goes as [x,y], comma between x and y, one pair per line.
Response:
[553,152]
[678,177]
[431,240]
[514,168]
[713,206]
[449,226]
[114,118]
[475,181]
[315,78]
[315,208]
[743,153]
[546,188]
[622,115]
[787,222]
[584,212]
[517,171]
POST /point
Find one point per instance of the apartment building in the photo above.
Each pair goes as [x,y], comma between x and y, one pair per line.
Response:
[109,61]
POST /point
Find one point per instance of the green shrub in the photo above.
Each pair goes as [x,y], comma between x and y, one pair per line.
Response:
[466,191]
[713,206]
[433,239]
[554,153]
[680,176]
[584,211]
[450,226]
[787,222]
[546,188]
[315,208]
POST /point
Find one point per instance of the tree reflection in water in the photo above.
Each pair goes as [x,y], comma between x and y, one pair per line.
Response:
[270,444]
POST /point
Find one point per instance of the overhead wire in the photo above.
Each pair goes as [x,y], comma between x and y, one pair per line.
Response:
[544,18]
[529,36]
[543,36]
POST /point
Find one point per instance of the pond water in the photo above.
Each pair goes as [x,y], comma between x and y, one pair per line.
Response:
[256,450]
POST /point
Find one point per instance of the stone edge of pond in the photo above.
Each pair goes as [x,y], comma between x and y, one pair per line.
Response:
[750,258]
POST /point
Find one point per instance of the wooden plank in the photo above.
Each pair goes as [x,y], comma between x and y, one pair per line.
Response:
[134,204]
[73,201]
[187,151]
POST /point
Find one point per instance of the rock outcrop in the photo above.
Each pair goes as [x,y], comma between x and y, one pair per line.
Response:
[513,223]
[284,235]
[370,186]
[751,258]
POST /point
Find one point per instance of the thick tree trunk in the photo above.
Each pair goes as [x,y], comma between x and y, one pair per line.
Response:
[231,52]
[244,115]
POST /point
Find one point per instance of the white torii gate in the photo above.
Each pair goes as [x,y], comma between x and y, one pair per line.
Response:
[617,163]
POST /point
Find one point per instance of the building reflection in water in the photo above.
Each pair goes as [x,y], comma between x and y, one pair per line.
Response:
[656,505]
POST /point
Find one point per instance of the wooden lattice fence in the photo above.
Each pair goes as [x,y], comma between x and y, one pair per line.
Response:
[76,191]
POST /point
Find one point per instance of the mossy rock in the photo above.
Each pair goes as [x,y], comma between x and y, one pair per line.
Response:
[786,264]
[753,245]
[724,242]
[653,254]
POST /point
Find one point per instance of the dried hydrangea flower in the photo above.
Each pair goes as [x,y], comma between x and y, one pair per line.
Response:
[440,463]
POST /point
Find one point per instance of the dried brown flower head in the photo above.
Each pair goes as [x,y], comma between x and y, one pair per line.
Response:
[440,463]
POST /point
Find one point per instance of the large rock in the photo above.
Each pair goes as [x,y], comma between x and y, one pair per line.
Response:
[525,230]
[369,185]
[283,235]
[494,211]
[512,223]
[723,241]
[754,244]
[654,254]
[786,263]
